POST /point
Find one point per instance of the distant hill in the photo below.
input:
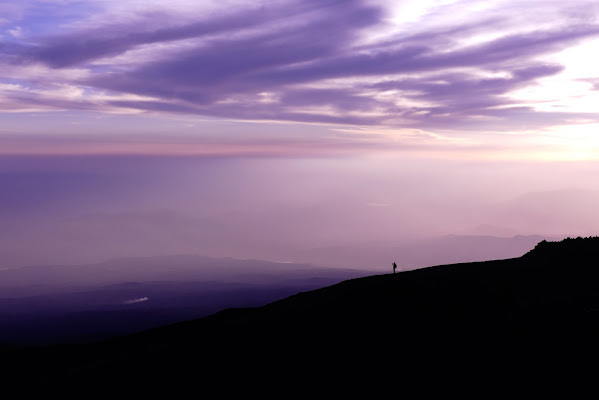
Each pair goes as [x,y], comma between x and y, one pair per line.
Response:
[525,326]
[447,249]
[41,305]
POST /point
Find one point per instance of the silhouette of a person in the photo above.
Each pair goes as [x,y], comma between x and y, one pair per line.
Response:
[394,266]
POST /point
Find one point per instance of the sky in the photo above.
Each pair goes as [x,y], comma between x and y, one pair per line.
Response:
[251,128]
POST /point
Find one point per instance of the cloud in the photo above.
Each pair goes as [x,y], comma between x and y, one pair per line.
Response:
[332,62]
[134,301]
[73,49]
[16,32]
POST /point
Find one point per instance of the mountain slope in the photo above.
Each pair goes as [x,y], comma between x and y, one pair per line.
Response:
[476,328]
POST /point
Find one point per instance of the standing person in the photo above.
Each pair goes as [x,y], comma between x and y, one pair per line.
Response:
[394,266]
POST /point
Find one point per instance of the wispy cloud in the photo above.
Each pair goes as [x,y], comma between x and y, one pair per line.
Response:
[139,300]
[355,62]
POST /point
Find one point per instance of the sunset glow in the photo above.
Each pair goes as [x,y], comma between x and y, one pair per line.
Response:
[415,118]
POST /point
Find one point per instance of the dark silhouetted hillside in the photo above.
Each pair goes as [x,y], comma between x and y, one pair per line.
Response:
[519,327]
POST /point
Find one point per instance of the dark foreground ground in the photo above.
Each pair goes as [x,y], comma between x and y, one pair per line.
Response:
[510,328]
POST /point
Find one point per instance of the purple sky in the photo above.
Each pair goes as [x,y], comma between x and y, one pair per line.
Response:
[294,122]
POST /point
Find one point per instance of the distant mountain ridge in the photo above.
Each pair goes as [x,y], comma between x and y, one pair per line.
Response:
[156,268]
[524,325]
[447,249]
